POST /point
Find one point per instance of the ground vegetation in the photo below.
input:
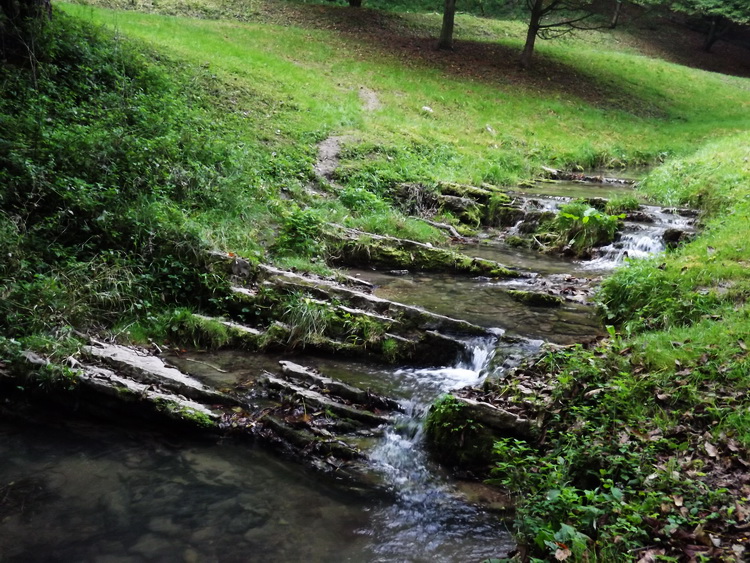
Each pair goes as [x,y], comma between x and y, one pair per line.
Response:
[136,144]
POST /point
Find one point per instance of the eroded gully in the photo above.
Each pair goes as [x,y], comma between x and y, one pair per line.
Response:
[78,492]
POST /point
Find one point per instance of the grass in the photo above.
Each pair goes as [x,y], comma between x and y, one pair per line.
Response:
[643,429]
[485,125]
[133,149]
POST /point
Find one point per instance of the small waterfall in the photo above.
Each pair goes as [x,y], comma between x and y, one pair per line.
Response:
[536,204]
[639,240]
[633,243]
[426,519]
[547,203]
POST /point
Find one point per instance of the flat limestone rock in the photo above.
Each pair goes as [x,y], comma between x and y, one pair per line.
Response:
[151,370]
[497,418]
[321,401]
[340,389]
[108,382]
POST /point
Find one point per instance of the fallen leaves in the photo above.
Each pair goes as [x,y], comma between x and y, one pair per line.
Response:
[711,450]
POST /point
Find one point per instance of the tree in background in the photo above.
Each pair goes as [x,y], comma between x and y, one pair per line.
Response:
[446,32]
[616,14]
[719,15]
[552,18]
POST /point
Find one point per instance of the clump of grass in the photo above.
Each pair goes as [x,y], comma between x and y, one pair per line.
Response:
[307,318]
[302,233]
[582,227]
[183,327]
[622,204]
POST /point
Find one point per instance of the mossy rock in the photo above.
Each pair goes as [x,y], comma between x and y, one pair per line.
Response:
[463,190]
[397,253]
[516,242]
[465,209]
[534,299]
[456,440]
[502,215]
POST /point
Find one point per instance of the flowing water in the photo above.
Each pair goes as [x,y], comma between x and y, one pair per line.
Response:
[639,240]
[72,491]
[427,515]
[78,491]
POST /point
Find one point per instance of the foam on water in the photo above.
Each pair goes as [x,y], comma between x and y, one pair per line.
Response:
[425,506]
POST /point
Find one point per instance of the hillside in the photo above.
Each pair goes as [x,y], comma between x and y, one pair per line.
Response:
[144,140]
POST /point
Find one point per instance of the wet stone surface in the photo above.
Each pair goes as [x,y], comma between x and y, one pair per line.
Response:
[486,303]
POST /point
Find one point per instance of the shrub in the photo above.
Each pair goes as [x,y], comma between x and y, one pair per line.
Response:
[583,227]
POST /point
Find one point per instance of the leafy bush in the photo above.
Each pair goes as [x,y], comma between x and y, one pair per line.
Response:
[583,227]
[301,233]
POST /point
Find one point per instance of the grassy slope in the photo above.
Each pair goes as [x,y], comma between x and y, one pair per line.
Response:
[245,112]
[600,107]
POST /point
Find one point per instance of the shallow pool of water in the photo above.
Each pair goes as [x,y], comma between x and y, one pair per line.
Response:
[560,188]
[486,303]
[522,259]
[76,491]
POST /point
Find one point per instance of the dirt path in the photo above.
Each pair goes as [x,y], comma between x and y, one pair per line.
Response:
[328,157]
[330,149]
[370,101]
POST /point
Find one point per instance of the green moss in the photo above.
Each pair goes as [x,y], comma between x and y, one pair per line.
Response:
[516,241]
[187,414]
[456,440]
[499,213]
[387,253]
[186,328]
[535,299]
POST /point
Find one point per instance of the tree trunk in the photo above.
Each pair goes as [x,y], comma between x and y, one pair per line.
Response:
[528,48]
[534,22]
[537,11]
[616,15]
[715,32]
[710,37]
[446,33]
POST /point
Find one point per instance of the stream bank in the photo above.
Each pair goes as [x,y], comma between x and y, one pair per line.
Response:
[337,396]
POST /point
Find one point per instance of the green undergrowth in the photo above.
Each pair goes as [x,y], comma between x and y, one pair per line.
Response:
[113,169]
[647,433]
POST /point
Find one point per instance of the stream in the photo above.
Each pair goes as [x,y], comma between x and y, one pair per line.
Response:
[72,490]
[75,491]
